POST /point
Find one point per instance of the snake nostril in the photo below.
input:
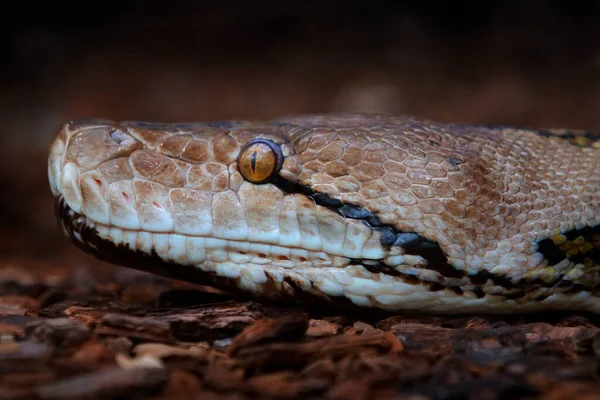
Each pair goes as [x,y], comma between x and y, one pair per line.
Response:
[118,136]
[155,204]
[125,196]
[98,182]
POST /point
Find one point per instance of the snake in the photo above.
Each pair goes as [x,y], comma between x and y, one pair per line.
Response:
[376,211]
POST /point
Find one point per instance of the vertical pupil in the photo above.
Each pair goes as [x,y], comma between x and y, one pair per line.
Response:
[253,162]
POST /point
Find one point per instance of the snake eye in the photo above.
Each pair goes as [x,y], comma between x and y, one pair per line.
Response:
[260,160]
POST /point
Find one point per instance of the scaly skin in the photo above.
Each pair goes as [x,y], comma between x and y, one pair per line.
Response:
[372,210]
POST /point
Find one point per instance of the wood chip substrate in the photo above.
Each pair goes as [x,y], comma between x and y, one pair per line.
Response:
[75,334]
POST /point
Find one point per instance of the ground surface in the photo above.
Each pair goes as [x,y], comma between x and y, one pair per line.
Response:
[75,328]
[71,335]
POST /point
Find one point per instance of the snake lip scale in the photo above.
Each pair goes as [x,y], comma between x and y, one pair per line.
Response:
[373,211]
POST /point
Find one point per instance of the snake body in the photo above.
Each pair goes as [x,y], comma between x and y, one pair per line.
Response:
[381,211]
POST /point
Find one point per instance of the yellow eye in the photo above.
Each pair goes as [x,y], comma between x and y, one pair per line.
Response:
[260,160]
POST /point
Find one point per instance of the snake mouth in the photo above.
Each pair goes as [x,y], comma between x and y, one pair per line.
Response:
[85,236]
[167,254]
[177,248]
[292,287]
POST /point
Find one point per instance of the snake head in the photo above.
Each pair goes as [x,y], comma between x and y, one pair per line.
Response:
[222,202]
[374,211]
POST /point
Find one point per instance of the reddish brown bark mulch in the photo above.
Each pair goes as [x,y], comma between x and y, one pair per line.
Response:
[79,335]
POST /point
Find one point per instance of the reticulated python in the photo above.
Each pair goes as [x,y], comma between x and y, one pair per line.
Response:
[371,210]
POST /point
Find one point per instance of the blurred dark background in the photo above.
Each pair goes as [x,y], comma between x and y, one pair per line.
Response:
[533,63]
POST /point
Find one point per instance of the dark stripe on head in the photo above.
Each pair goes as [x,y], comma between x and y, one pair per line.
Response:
[411,242]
